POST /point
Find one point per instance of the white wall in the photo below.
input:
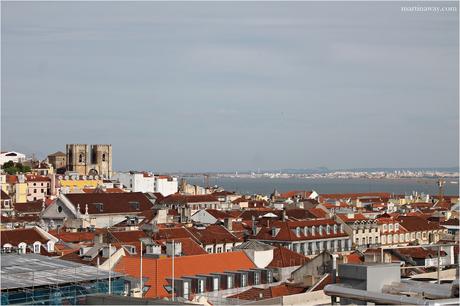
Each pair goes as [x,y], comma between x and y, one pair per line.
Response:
[202,216]
[166,186]
[19,158]
[136,182]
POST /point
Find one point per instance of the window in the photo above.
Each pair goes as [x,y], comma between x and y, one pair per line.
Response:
[335,228]
[305,230]
[103,157]
[219,249]
[390,227]
[328,229]
[43,190]
[384,227]
[186,290]
[256,278]
[209,249]
[320,231]
[200,285]
[313,230]
[297,231]
[244,280]
[215,284]
[35,184]
[35,190]
[229,282]
[37,247]
[80,158]
[396,226]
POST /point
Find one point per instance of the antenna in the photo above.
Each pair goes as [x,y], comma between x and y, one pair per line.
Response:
[441,182]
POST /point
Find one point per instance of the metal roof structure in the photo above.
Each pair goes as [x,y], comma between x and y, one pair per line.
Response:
[33,270]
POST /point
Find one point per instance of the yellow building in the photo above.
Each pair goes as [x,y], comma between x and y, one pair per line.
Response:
[77,184]
[16,187]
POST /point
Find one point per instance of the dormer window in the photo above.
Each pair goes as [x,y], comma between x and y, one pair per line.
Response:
[297,231]
[335,228]
[341,228]
[134,205]
[99,207]
[390,227]
[36,247]
[274,231]
[320,230]
[384,227]
[313,230]
[396,226]
[305,231]
[328,229]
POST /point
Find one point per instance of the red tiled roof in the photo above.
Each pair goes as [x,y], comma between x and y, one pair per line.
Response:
[189,246]
[255,294]
[37,178]
[99,190]
[11,179]
[294,193]
[212,234]
[112,202]
[287,230]
[414,224]
[354,258]
[74,237]
[128,236]
[382,195]
[27,235]
[283,257]
[419,253]
[29,207]
[157,270]
[171,233]
[356,217]
[218,214]
[186,199]
[317,212]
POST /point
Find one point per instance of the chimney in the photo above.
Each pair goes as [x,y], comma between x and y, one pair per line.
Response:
[283,215]
[228,223]
[177,248]
[254,227]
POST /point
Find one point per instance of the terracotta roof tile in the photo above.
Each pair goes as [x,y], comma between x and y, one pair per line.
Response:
[157,270]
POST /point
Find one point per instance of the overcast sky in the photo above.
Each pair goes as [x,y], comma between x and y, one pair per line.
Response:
[233,86]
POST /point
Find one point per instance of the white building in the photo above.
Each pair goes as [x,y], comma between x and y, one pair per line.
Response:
[13,156]
[136,181]
[166,185]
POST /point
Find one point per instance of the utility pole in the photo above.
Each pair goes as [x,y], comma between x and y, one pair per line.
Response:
[173,251]
[142,282]
[110,269]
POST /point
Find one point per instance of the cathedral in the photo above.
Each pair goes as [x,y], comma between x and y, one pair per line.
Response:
[89,159]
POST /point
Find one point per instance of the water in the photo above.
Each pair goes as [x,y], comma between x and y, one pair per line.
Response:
[267,185]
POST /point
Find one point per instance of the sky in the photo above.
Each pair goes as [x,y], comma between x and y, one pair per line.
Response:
[203,86]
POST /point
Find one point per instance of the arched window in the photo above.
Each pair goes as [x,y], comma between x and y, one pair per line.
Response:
[305,230]
[320,231]
[335,228]
[37,246]
[297,231]
[22,248]
[80,158]
[328,229]
[313,230]
[103,157]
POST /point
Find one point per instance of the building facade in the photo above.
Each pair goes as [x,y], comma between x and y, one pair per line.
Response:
[89,160]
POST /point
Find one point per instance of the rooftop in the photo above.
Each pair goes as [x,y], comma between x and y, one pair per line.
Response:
[28,270]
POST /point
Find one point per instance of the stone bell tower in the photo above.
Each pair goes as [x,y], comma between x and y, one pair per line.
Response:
[101,159]
[77,158]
